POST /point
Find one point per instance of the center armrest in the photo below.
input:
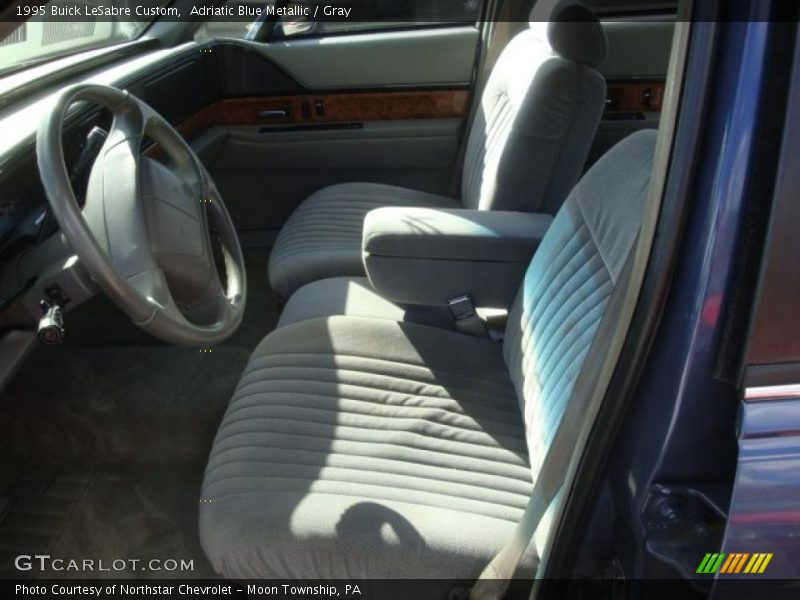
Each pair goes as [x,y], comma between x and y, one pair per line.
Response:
[429,256]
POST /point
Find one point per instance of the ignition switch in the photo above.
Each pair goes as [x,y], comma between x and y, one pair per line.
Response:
[51,325]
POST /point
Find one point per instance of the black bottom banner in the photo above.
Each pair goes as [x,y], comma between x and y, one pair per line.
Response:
[363,589]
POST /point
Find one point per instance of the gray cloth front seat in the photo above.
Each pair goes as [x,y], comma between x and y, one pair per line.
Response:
[370,448]
[526,148]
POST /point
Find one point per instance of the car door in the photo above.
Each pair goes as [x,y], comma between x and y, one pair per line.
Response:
[322,103]
[764,523]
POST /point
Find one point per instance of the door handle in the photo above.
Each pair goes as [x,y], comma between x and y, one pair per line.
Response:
[273,114]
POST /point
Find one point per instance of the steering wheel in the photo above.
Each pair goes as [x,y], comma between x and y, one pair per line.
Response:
[144,233]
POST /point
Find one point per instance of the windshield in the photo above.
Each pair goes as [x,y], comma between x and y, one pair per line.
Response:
[60,27]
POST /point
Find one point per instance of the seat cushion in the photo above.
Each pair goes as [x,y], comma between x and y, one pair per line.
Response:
[366,448]
[322,238]
[355,296]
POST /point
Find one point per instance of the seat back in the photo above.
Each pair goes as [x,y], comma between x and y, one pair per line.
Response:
[537,115]
[567,286]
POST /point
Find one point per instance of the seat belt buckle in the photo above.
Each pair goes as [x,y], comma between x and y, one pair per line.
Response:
[465,317]
[462,307]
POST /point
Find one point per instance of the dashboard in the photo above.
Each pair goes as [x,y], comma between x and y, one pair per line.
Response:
[25,218]
[24,211]
[178,83]
[32,252]
[10,215]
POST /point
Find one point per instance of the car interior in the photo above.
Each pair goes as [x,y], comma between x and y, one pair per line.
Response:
[324,305]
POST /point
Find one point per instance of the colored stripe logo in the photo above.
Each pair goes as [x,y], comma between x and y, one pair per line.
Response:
[735,562]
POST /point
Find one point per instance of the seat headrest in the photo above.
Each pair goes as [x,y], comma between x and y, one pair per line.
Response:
[575,33]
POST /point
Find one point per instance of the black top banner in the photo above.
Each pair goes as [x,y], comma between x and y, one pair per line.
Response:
[360,11]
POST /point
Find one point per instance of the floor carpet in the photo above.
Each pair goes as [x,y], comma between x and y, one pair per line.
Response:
[104,439]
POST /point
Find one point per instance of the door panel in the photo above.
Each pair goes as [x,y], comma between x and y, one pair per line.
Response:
[427,56]
[635,70]
[298,115]
[317,111]
[264,172]
[335,108]
[637,49]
